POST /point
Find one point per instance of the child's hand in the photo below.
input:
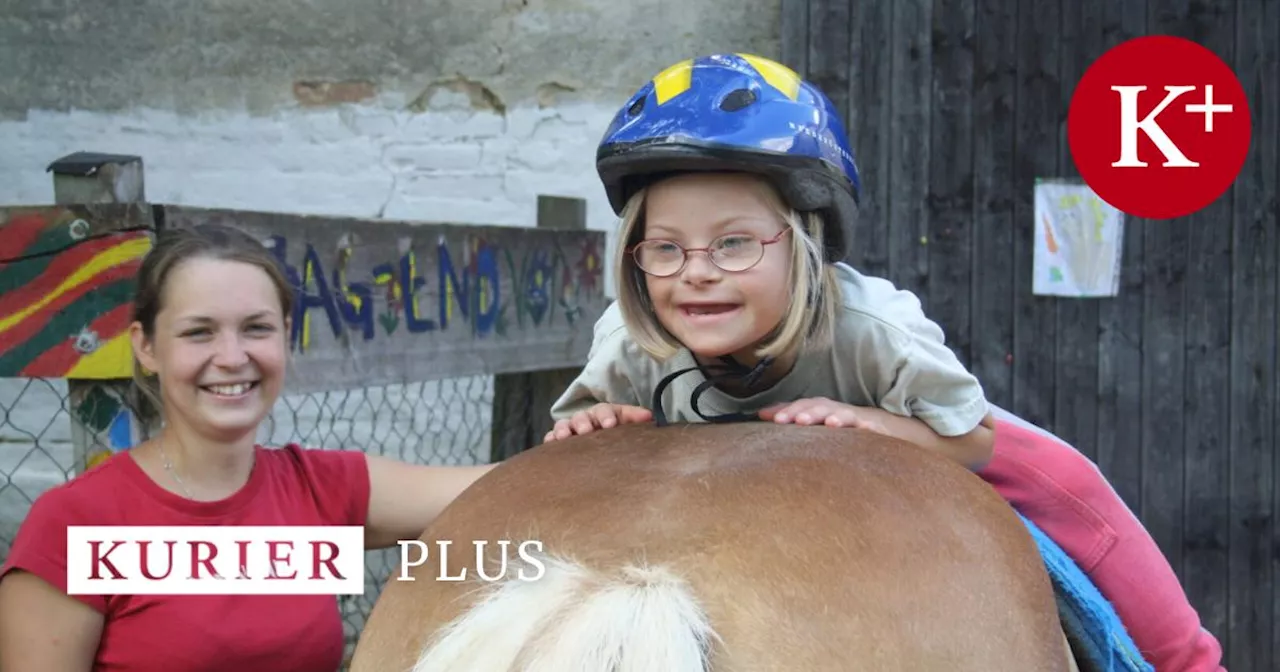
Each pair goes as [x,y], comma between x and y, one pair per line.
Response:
[602,416]
[822,411]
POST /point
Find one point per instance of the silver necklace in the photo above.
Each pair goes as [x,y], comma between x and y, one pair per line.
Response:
[168,466]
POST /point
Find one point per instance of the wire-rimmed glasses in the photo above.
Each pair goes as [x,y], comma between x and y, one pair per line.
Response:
[733,253]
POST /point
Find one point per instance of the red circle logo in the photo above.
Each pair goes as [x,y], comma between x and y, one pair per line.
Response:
[1159,127]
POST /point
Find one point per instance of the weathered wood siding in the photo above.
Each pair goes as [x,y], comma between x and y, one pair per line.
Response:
[954,108]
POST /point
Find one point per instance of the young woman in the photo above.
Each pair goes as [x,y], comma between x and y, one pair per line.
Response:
[734,181]
[210,340]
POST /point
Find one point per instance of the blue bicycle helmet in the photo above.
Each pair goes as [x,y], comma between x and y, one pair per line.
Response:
[735,112]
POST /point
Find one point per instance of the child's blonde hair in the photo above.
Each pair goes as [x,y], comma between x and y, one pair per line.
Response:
[809,319]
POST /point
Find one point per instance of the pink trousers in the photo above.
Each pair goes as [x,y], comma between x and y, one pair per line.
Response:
[1066,496]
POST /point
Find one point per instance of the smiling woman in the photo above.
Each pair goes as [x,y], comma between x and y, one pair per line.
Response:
[219,354]
[211,318]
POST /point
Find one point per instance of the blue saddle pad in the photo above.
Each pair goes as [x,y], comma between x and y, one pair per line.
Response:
[1097,636]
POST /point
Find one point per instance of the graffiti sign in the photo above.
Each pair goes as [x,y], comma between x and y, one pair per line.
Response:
[387,302]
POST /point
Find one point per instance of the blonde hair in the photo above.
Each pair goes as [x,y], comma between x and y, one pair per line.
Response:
[808,321]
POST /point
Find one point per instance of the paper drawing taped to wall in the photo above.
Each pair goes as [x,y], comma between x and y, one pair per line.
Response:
[1078,241]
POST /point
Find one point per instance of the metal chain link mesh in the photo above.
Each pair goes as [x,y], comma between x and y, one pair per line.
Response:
[443,422]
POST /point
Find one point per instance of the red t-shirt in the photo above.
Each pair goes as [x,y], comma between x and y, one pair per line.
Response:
[196,633]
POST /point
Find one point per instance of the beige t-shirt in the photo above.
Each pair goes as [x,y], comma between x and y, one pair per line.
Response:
[886,353]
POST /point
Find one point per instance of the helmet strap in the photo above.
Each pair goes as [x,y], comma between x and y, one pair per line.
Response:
[730,369]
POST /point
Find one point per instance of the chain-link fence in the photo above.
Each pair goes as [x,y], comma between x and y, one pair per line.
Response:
[442,422]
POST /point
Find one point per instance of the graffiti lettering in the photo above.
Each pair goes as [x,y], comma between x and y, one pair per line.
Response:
[410,284]
[355,299]
[488,296]
[540,285]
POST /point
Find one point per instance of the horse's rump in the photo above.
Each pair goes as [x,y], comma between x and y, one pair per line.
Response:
[762,547]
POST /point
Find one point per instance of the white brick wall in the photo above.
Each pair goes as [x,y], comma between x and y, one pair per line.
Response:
[450,164]
[363,161]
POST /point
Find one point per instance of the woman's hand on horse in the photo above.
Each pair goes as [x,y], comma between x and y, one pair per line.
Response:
[602,416]
[821,411]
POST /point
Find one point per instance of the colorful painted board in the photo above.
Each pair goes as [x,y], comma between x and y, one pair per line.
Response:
[66,282]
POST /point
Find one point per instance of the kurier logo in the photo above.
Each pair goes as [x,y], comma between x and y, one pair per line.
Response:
[1159,127]
[208,560]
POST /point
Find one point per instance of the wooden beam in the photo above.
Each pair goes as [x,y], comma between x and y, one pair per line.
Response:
[93,177]
[110,234]
[794,35]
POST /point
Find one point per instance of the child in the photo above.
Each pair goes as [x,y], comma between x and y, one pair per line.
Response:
[732,177]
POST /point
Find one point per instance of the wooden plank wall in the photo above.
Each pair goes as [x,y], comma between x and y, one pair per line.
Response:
[954,108]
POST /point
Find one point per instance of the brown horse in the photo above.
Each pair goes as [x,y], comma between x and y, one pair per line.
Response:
[725,548]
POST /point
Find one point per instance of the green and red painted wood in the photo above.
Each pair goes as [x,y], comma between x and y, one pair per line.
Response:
[66,282]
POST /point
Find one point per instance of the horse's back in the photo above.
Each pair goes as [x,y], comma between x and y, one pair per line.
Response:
[801,548]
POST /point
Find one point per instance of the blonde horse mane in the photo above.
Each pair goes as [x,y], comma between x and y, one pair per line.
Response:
[575,619]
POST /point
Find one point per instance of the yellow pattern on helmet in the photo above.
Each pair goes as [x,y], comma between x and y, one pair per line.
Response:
[673,81]
[778,75]
[678,78]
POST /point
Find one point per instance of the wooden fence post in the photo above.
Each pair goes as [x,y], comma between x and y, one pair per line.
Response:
[112,406]
[522,401]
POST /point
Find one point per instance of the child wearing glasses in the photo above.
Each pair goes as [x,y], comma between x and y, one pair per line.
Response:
[732,178]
